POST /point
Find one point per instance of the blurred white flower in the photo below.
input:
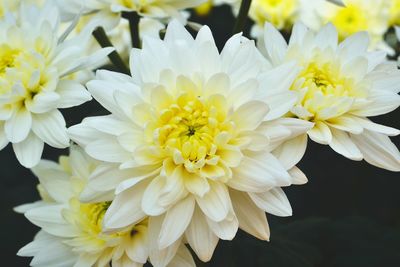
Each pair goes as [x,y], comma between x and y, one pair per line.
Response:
[284,13]
[371,16]
[35,69]
[108,12]
[201,153]
[340,85]
[73,231]
[11,6]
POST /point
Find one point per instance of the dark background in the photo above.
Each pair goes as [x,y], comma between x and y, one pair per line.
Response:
[348,215]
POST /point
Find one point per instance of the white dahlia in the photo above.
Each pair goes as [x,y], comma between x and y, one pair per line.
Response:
[36,71]
[73,230]
[339,87]
[199,150]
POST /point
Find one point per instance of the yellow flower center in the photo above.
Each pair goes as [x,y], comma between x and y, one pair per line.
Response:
[322,86]
[87,218]
[190,126]
[7,58]
[281,13]
[91,216]
[349,20]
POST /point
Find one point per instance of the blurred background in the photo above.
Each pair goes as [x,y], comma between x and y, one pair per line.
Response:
[348,215]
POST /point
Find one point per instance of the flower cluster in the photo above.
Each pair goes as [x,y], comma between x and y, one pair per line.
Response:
[197,142]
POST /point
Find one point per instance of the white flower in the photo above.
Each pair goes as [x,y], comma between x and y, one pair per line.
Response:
[340,85]
[108,12]
[371,16]
[284,13]
[36,67]
[201,152]
[73,229]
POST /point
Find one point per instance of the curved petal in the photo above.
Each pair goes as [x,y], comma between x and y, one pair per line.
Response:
[215,204]
[51,128]
[274,201]
[29,151]
[200,237]
[176,221]
[251,218]
[18,126]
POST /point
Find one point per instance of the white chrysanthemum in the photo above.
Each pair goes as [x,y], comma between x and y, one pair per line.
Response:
[340,85]
[371,16]
[73,230]
[108,12]
[281,13]
[35,70]
[200,152]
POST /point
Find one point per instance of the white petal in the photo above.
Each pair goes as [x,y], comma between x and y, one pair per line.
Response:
[342,144]
[50,127]
[18,126]
[150,202]
[29,151]
[108,149]
[50,219]
[72,94]
[225,229]
[125,210]
[327,36]
[346,123]
[55,180]
[215,204]
[251,218]
[291,152]
[274,201]
[378,150]
[3,138]
[82,134]
[298,177]
[159,258]
[275,44]
[43,102]
[280,104]
[183,258]
[138,250]
[374,127]
[256,175]
[176,221]
[381,103]
[200,237]
[250,115]
[320,133]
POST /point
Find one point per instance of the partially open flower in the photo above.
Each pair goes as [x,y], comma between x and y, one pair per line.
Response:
[200,150]
[340,85]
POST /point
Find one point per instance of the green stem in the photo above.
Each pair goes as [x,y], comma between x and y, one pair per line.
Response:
[133,19]
[242,17]
[114,57]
